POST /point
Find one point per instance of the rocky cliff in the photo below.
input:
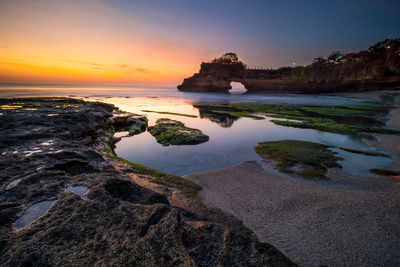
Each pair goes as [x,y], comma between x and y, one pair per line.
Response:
[374,69]
[66,200]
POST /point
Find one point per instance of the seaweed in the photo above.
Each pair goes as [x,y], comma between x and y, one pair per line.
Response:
[187,187]
[351,119]
[171,132]
[302,158]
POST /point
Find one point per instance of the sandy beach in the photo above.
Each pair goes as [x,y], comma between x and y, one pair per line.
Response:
[348,221]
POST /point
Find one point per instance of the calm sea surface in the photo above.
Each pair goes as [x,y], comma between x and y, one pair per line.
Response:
[231,141]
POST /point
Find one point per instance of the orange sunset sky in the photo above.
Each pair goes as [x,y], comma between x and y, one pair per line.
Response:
[88,42]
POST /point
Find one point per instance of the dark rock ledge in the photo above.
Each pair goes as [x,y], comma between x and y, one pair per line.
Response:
[50,145]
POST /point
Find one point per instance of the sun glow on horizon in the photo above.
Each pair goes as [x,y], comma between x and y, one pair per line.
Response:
[86,43]
[135,42]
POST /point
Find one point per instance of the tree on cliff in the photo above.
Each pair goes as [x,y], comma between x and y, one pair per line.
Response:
[229,58]
[319,61]
[382,45]
[334,57]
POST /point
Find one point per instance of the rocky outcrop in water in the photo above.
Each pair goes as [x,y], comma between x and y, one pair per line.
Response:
[133,123]
[375,69]
[65,201]
[171,132]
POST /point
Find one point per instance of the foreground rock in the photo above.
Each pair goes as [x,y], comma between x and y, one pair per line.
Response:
[133,123]
[171,132]
[82,207]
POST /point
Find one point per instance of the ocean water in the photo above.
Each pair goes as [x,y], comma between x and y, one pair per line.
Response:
[231,140]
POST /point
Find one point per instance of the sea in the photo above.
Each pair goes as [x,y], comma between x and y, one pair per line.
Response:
[231,141]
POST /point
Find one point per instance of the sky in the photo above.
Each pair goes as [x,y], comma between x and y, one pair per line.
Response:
[122,42]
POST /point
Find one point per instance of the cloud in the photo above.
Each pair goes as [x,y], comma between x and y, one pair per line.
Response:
[122,67]
[86,62]
[5,46]
[131,68]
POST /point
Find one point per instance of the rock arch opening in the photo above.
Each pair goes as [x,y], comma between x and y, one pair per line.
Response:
[237,88]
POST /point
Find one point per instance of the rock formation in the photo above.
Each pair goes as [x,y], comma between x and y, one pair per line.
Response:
[66,201]
[375,69]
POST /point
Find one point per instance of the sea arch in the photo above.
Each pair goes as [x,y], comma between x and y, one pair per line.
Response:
[237,87]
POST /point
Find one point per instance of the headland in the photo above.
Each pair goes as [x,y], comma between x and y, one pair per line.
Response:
[376,68]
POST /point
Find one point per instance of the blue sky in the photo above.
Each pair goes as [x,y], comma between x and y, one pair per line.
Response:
[272,32]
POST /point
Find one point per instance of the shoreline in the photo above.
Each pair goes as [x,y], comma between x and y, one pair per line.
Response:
[313,223]
[59,171]
[338,223]
[65,200]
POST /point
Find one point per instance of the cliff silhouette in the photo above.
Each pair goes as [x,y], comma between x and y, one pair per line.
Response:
[376,68]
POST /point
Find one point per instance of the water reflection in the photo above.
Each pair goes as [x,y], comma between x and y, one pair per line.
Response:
[232,139]
[33,213]
[224,120]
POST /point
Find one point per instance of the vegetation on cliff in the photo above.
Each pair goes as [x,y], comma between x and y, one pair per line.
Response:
[378,67]
[229,59]
[378,61]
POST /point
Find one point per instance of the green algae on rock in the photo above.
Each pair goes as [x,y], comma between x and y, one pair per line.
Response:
[133,123]
[335,127]
[302,158]
[171,132]
[187,187]
[352,119]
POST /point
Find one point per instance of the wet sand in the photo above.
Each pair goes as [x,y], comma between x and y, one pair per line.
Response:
[310,223]
[390,143]
[350,221]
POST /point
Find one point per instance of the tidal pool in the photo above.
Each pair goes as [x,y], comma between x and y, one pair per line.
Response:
[79,190]
[232,140]
[33,213]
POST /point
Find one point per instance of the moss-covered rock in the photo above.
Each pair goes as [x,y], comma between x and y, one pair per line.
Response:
[133,123]
[337,119]
[171,132]
[302,158]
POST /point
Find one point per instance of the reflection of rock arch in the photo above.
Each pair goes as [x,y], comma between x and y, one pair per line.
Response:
[224,120]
